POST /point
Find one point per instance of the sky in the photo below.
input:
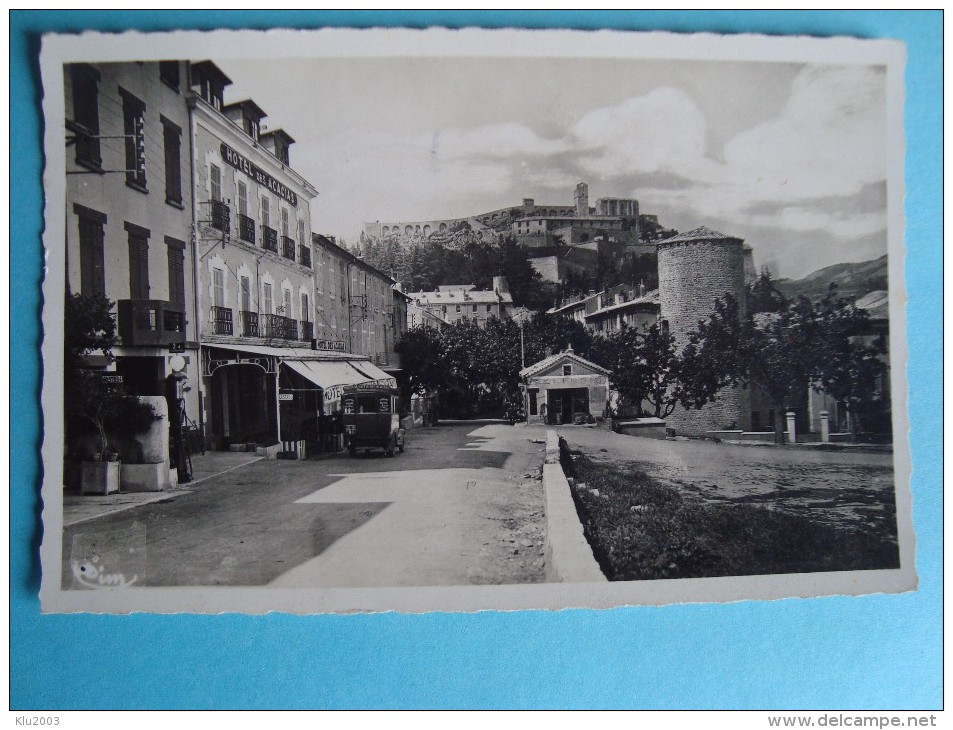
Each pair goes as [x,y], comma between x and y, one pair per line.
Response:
[790,157]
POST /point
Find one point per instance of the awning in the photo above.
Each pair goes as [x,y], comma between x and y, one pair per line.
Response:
[333,376]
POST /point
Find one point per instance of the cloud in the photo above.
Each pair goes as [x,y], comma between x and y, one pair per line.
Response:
[815,169]
[663,131]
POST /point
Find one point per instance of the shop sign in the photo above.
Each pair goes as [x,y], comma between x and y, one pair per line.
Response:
[240,162]
[332,345]
[286,396]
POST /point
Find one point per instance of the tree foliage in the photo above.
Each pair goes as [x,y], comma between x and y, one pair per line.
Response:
[786,346]
[91,403]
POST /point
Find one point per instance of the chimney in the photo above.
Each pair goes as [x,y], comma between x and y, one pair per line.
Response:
[642,288]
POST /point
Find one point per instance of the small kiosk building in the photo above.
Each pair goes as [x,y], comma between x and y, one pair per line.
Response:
[564,388]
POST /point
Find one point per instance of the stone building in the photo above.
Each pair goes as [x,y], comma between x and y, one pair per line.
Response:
[564,388]
[358,309]
[128,222]
[696,269]
[464,302]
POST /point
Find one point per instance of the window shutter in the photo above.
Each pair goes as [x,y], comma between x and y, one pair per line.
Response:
[176,275]
[92,264]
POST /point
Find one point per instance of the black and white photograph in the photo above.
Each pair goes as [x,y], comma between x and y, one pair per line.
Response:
[415,320]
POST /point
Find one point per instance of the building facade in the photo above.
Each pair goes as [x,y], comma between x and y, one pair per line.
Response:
[564,388]
[464,302]
[254,264]
[359,308]
[128,219]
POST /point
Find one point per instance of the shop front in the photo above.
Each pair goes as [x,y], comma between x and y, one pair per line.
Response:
[271,395]
[564,389]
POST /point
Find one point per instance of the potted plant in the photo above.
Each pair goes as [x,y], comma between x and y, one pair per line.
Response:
[96,403]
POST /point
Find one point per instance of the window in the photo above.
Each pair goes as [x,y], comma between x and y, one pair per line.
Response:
[300,232]
[218,287]
[92,264]
[267,298]
[250,125]
[172,144]
[285,225]
[458,307]
[215,181]
[246,294]
[134,126]
[169,73]
[138,261]
[489,308]
[305,308]
[242,199]
[175,250]
[85,81]
[533,410]
[287,307]
[474,308]
[567,369]
[266,212]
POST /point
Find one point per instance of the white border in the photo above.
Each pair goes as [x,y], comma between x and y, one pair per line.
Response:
[330,43]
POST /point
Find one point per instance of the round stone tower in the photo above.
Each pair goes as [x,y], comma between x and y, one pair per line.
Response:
[695,269]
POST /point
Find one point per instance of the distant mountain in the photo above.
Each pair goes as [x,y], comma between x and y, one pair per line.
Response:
[852,279]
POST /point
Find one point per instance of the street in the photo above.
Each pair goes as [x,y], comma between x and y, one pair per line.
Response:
[462,505]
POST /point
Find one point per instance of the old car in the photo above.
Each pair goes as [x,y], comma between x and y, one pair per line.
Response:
[371,419]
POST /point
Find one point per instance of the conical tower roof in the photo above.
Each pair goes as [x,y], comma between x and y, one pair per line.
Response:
[699,234]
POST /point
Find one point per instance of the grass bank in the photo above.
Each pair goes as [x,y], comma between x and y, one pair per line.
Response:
[640,529]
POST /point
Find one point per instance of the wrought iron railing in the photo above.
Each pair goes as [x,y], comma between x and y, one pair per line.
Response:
[222,320]
[250,324]
[304,256]
[277,327]
[150,322]
[288,248]
[246,228]
[220,215]
[269,239]
[307,331]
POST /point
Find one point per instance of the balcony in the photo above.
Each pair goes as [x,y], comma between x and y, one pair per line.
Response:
[276,327]
[250,324]
[221,217]
[221,320]
[288,248]
[246,228]
[269,239]
[150,322]
[307,331]
[304,256]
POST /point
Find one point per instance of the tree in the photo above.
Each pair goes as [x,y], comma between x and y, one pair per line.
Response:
[92,403]
[850,363]
[784,347]
[421,357]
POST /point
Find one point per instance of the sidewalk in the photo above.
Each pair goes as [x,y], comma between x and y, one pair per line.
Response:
[82,508]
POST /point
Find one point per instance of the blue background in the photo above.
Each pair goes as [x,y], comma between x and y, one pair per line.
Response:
[867,652]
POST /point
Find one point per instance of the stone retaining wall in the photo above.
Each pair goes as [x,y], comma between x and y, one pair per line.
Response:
[568,555]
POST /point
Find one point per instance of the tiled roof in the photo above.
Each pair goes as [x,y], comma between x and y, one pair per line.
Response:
[548,362]
[699,234]
[650,299]
[462,296]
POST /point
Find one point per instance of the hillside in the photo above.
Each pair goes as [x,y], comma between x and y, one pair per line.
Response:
[852,279]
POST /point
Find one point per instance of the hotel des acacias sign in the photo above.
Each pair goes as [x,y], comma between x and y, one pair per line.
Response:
[240,162]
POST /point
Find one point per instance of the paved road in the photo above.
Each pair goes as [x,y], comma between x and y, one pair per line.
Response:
[463,505]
